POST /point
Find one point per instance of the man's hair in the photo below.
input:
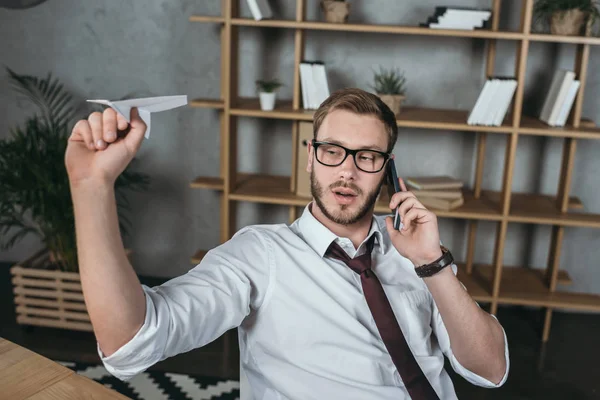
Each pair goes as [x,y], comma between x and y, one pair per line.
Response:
[358,101]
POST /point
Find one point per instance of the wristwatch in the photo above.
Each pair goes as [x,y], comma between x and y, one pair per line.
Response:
[433,268]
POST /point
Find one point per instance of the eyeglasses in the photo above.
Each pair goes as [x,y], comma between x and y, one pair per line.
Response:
[332,155]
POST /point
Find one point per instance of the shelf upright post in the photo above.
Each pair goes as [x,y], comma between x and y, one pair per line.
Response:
[564,185]
[511,150]
[481,139]
[299,44]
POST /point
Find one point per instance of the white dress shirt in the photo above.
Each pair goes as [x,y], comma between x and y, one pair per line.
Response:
[305,330]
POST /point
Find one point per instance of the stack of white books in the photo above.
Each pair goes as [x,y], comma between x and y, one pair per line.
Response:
[560,98]
[493,101]
[260,9]
[313,82]
[458,18]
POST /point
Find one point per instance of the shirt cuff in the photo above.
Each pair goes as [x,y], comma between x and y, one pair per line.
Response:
[479,380]
[140,352]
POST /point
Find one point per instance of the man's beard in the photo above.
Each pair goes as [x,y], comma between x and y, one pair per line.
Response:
[317,192]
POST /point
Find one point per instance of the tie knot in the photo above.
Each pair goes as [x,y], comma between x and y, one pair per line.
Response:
[358,264]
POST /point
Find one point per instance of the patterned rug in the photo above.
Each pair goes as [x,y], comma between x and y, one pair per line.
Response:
[157,385]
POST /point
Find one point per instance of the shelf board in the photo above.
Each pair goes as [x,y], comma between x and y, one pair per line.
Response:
[393,29]
[527,286]
[250,107]
[196,258]
[207,18]
[546,37]
[541,209]
[207,182]
[534,126]
[207,103]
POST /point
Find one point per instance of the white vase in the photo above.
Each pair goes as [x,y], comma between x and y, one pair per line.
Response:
[267,100]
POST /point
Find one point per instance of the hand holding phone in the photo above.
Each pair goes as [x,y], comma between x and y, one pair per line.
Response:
[393,187]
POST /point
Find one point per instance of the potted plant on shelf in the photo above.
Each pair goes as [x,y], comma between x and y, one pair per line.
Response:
[35,199]
[267,93]
[390,87]
[567,17]
[336,11]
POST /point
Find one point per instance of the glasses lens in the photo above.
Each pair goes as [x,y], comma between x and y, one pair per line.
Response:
[369,161]
[330,154]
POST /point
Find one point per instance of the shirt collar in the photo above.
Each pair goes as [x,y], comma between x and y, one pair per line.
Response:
[319,237]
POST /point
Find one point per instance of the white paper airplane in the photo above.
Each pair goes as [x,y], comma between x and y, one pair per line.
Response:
[145,106]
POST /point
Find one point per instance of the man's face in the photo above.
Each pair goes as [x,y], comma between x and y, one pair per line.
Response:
[344,193]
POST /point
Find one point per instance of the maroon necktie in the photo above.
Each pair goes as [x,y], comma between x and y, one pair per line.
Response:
[414,380]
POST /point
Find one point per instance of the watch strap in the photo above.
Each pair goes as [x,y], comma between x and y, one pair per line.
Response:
[436,266]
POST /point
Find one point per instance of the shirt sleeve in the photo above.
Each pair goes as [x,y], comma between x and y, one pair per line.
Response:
[192,310]
[444,341]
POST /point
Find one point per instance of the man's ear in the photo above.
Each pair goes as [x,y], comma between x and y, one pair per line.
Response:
[309,148]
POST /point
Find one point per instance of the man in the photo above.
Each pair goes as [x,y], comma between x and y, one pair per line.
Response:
[338,305]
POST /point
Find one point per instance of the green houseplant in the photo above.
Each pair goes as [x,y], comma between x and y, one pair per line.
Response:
[390,86]
[566,17]
[34,186]
[267,92]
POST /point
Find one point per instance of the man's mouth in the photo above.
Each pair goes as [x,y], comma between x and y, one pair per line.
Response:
[344,192]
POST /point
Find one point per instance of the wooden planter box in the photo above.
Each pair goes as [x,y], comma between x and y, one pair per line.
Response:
[48,297]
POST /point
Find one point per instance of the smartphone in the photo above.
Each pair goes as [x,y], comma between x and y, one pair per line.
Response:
[393,187]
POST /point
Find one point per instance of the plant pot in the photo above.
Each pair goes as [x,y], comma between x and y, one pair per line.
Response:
[393,101]
[48,297]
[335,11]
[267,100]
[568,23]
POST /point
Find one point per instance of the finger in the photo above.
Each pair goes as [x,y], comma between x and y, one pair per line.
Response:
[399,197]
[122,123]
[134,138]
[402,185]
[83,133]
[406,205]
[109,125]
[413,217]
[95,121]
[389,223]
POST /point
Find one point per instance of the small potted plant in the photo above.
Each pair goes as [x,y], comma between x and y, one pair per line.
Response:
[567,17]
[390,87]
[35,199]
[267,90]
[336,11]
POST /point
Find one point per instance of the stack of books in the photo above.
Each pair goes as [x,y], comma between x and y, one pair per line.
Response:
[493,101]
[560,98]
[458,18]
[440,192]
[313,83]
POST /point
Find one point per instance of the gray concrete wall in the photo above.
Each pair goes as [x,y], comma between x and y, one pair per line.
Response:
[112,49]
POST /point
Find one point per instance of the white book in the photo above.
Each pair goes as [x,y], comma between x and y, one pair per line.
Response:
[510,86]
[550,96]
[568,103]
[498,100]
[560,97]
[260,9]
[306,100]
[321,82]
[478,104]
[490,101]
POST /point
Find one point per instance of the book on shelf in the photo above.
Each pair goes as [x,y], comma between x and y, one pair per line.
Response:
[260,9]
[493,101]
[449,194]
[313,84]
[560,98]
[305,134]
[442,204]
[434,182]
[464,18]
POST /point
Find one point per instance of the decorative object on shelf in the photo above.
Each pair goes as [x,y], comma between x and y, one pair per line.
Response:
[267,92]
[35,193]
[336,11]
[390,87]
[260,9]
[560,98]
[458,18]
[567,17]
[314,85]
[493,101]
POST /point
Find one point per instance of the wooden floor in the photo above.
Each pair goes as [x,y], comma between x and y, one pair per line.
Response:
[567,367]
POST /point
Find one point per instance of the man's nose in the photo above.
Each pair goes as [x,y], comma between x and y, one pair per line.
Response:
[348,168]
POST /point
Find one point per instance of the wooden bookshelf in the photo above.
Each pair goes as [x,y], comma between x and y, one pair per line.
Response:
[495,283]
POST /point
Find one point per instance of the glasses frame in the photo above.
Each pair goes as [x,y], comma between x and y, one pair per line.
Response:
[386,156]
